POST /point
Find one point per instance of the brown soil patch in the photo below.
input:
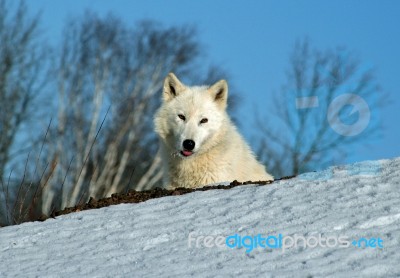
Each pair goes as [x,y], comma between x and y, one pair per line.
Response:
[133,196]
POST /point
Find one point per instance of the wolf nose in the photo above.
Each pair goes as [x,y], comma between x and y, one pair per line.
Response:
[188,144]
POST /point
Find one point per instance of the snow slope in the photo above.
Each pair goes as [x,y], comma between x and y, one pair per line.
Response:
[150,239]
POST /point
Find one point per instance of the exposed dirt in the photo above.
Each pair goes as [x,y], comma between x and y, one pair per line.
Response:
[133,196]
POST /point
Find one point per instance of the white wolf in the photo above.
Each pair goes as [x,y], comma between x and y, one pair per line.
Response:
[199,143]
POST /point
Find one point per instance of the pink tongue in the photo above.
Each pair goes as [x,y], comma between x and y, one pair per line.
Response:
[187,153]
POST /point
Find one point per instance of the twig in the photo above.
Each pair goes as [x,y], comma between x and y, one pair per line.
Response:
[91,147]
[18,194]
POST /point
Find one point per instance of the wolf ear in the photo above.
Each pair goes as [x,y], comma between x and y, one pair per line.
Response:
[219,92]
[172,87]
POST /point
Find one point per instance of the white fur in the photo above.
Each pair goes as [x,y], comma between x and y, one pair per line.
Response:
[220,152]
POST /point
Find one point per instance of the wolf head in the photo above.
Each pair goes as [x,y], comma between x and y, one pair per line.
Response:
[190,119]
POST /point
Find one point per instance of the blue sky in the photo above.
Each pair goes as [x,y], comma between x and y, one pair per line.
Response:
[252,40]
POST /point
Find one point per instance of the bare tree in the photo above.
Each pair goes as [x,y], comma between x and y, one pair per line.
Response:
[22,70]
[109,85]
[324,108]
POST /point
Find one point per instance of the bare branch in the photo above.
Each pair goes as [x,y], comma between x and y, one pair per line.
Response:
[325,76]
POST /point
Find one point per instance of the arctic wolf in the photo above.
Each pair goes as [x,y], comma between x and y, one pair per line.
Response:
[199,143]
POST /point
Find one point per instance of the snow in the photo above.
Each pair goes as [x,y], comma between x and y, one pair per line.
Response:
[151,239]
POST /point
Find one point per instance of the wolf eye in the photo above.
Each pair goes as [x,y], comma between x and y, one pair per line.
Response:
[181,117]
[203,121]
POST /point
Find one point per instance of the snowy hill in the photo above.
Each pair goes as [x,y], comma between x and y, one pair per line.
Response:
[352,214]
